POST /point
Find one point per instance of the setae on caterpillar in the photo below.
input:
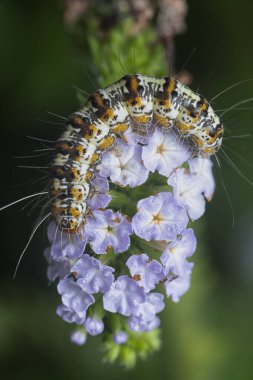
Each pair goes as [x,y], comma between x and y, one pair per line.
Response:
[133,101]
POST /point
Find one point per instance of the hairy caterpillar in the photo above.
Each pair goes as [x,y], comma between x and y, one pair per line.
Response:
[133,100]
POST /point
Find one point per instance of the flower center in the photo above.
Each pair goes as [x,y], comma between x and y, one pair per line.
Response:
[160,149]
[157,218]
[171,251]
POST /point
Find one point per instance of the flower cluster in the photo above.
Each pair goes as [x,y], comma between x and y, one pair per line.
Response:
[108,284]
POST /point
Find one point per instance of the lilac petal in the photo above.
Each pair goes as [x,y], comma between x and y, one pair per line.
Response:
[64,245]
[100,184]
[92,276]
[138,324]
[133,137]
[70,316]
[123,297]
[176,286]
[73,296]
[175,255]
[94,326]
[164,152]
[147,273]
[188,191]
[56,269]
[120,337]
[78,337]
[100,199]
[152,305]
[202,167]
[124,165]
[51,231]
[159,217]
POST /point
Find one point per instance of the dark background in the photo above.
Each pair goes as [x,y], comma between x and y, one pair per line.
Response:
[208,335]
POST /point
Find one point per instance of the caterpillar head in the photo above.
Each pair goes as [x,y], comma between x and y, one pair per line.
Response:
[198,121]
[208,133]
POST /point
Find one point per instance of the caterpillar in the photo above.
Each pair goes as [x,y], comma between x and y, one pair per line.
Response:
[134,100]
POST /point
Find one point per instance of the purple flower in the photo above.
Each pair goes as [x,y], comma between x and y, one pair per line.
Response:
[124,165]
[159,217]
[164,152]
[106,229]
[202,167]
[56,268]
[94,326]
[138,324]
[152,305]
[73,297]
[70,316]
[92,276]
[147,273]
[175,255]
[120,337]
[100,199]
[78,337]
[64,245]
[176,286]
[124,296]
[188,191]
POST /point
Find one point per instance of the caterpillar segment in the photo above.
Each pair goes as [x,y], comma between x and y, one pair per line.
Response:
[107,105]
[191,108]
[134,100]
[138,93]
[166,101]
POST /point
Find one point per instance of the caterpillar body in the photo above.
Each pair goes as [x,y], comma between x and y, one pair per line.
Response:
[132,101]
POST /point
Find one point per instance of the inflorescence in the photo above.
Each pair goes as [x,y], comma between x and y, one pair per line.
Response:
[113,275]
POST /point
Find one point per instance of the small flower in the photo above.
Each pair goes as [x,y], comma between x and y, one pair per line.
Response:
[120,337]
[64,245]
[94,326]
[124,165]
[138,324]
[124,296]
[164,153]
[153,304]
[56,269]
[147,273]
[159,218]
[92,276]
[73,297]
[70,316]
[202,167]
[106,229]
[176,286]
[78,337]
[100,199]
[188,191]
[175,255]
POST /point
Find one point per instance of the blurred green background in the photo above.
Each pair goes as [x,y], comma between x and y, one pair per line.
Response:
[209,334]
